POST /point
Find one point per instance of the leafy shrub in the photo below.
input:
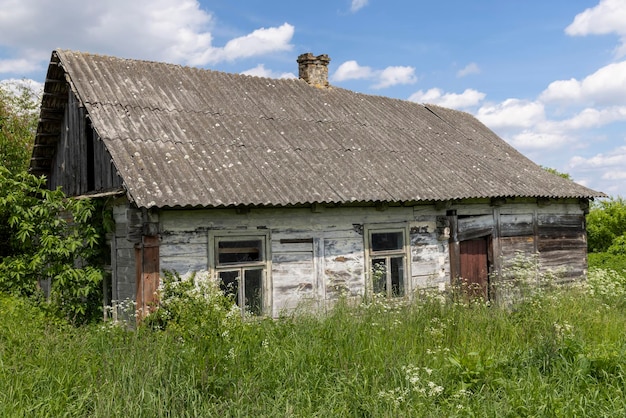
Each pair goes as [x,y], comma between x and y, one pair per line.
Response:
[51,241]
[618,246]
[19,105]
[606,260]
[606,221]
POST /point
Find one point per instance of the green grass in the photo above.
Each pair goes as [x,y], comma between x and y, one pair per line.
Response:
[561,353]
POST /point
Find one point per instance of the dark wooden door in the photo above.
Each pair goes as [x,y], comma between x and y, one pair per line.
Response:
[475,267]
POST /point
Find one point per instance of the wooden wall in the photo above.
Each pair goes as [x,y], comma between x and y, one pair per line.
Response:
[81,162]
[315,256]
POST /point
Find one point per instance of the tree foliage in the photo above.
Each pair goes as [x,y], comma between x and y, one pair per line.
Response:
[18,122]
[51,242]
[47,241]
[606,223]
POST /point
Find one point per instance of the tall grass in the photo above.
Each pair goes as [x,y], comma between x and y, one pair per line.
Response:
[558,353]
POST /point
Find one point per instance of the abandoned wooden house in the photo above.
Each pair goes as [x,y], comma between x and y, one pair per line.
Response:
[293,191]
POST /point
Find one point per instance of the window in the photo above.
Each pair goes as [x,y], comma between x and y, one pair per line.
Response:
[240,265]
[387,257]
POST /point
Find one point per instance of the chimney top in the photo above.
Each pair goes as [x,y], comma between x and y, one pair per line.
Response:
[314,69]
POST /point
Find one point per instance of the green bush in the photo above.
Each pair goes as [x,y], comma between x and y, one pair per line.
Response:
[605,222]
[606,260]
[51,240]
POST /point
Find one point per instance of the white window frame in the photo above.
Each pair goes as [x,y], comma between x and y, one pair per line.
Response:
[215,268]
[403,252]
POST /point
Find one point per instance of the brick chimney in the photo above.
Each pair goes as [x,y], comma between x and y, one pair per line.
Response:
[314,70]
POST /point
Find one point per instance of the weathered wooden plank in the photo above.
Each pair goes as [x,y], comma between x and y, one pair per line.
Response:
[426,267]
[577,242]
[191,237]
[516,225]
[565,264]
[421,282]
[511,247]
[561,220]
[183,265]
[343,267]
[293,271]
[285,245]
[294,280]
[283,219]
[555,232]
[475,227]
[185,250]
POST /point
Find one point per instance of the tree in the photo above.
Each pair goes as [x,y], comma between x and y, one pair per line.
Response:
[18,122]
[605,223]
[19,105]
[45,237]
[51,240]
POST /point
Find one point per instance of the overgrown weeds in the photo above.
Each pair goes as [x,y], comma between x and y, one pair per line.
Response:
[560,353]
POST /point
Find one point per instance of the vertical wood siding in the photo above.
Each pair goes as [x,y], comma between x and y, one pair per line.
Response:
[81,162]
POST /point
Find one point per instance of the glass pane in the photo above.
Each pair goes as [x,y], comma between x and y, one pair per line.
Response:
[253,291]
[397,276]
[386,241]
[244,251]
[229,284]
[379,275]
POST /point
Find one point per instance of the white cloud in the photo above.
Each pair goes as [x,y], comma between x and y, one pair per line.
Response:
[177,31]
[604,87]
[351,70]
[358,5]
[464,100]
[512,113]
[390,76]
[20,65]
[471,68]
[609,16]
[261,71]
[615,158]
[593,118]
[536,140]
[259,42]
[614,175]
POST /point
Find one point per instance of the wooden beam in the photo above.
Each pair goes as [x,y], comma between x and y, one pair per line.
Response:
[454,248]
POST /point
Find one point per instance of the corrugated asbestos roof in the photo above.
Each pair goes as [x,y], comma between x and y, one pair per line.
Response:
[187,137]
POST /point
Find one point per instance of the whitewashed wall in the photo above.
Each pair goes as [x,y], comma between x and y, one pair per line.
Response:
[316,255]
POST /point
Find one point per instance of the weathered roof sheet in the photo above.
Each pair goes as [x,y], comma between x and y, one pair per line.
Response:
[182,136]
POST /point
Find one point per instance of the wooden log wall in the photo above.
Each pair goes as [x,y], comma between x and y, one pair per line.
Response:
[316,256]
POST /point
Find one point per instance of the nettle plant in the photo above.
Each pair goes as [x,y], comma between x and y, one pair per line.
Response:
[50,246]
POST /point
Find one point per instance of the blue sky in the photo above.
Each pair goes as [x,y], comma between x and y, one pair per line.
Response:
[547,76]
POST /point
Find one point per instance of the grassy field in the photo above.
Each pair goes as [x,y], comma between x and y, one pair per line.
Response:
[559,353]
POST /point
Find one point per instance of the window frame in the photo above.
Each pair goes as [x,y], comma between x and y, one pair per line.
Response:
[403,252]
[263,264]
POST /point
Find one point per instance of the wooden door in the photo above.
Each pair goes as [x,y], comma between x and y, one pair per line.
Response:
[475,267]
